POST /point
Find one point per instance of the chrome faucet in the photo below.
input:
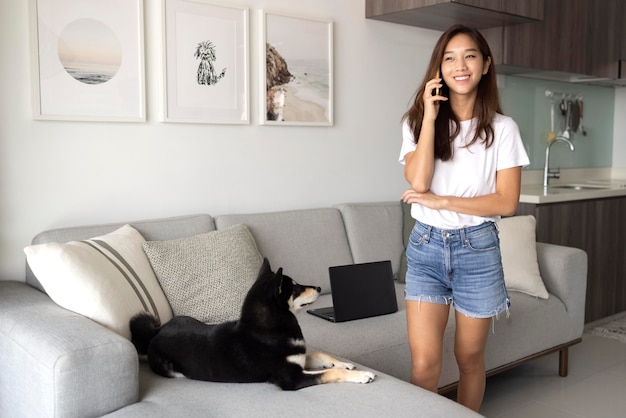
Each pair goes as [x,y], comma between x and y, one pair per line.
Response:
[547,173]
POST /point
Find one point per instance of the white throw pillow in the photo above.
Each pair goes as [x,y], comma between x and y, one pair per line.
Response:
[107,279]
[207,276]
[519,256]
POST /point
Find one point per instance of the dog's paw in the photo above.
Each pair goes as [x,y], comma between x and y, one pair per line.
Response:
[343,365]
[365,377]
[317,360]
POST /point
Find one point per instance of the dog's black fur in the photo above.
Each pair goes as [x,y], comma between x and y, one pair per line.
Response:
[264,345]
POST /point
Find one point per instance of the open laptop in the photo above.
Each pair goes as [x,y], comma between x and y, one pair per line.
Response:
[359,291]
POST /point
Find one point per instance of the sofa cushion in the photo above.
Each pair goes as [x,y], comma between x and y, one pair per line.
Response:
[519,256]
[304,242]
[207,276]
[106,278]
[374,231]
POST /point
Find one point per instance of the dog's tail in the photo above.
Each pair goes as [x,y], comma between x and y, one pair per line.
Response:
[143,327]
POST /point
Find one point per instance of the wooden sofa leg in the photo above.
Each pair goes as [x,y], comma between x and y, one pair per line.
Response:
[563,362]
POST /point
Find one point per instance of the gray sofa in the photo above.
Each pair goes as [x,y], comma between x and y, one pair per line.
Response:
[58,363]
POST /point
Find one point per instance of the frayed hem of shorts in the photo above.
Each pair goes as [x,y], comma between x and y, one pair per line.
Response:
[448,300]
[493,315]
[439,300]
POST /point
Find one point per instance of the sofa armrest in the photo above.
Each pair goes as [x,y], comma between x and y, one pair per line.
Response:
[57,363]
[564,273]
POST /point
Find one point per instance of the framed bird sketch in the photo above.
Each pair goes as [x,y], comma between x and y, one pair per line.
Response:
[296,76]
[88,60]
[205,62]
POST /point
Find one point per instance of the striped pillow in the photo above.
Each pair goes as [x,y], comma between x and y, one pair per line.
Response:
[107,279]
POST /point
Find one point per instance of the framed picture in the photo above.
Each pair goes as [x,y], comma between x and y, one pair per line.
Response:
[88,60]
[296,70]
[205,63]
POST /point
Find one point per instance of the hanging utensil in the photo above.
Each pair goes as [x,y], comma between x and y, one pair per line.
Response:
[564,119]
[552,133]
[574,118]
[581,128]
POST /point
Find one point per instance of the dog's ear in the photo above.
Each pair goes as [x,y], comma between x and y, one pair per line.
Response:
[265,269]
[278,279]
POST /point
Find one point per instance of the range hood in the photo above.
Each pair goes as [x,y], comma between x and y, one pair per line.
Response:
[441,14]
[560,76]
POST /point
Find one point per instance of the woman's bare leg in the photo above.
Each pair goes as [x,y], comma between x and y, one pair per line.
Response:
[469,348]
[426,324]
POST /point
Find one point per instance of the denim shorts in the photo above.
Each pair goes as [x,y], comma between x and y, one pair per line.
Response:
[462,267]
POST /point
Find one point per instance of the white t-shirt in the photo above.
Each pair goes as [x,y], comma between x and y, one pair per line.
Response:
[471,172]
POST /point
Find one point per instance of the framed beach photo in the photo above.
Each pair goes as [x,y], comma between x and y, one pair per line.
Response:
[296,70]
[205,63]
[88,60]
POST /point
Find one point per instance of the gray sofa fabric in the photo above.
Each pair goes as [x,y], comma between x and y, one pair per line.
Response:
[58,363]
[385,397]
[374,232]
[304,242]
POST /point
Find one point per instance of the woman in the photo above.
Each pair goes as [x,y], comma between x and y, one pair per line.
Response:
[463,161]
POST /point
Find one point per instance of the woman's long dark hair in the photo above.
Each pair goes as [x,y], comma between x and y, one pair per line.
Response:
[486,106]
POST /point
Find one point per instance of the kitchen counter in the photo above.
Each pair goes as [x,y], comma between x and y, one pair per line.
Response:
[564,191]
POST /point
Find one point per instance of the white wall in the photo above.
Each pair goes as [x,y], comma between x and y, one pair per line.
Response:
[55,174]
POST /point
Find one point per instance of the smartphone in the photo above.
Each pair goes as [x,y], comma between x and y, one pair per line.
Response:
[438,89]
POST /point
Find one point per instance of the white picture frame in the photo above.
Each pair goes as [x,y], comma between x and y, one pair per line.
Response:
[88,60]
[304,96]
[205,62]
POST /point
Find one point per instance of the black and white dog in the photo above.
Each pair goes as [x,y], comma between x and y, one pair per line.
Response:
[264,345]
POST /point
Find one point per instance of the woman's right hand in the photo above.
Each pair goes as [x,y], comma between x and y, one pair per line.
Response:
[431,99]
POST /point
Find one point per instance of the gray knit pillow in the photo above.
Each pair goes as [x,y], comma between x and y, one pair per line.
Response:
[207,276]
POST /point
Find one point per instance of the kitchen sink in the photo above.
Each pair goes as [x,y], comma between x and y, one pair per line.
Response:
[579,186]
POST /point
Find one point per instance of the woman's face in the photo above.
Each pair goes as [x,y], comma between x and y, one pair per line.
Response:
[463,65]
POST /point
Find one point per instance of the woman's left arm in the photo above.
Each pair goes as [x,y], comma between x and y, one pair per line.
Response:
[501,203]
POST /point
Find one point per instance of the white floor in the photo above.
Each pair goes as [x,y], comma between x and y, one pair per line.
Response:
[595,387]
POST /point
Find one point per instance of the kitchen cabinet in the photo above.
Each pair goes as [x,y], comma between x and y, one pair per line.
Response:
[583,37]
[605,33]
[622,55]
[597,226]
[441,14]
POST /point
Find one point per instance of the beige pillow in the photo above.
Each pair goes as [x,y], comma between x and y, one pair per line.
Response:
[519,256]
[207,276]
[108,278]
